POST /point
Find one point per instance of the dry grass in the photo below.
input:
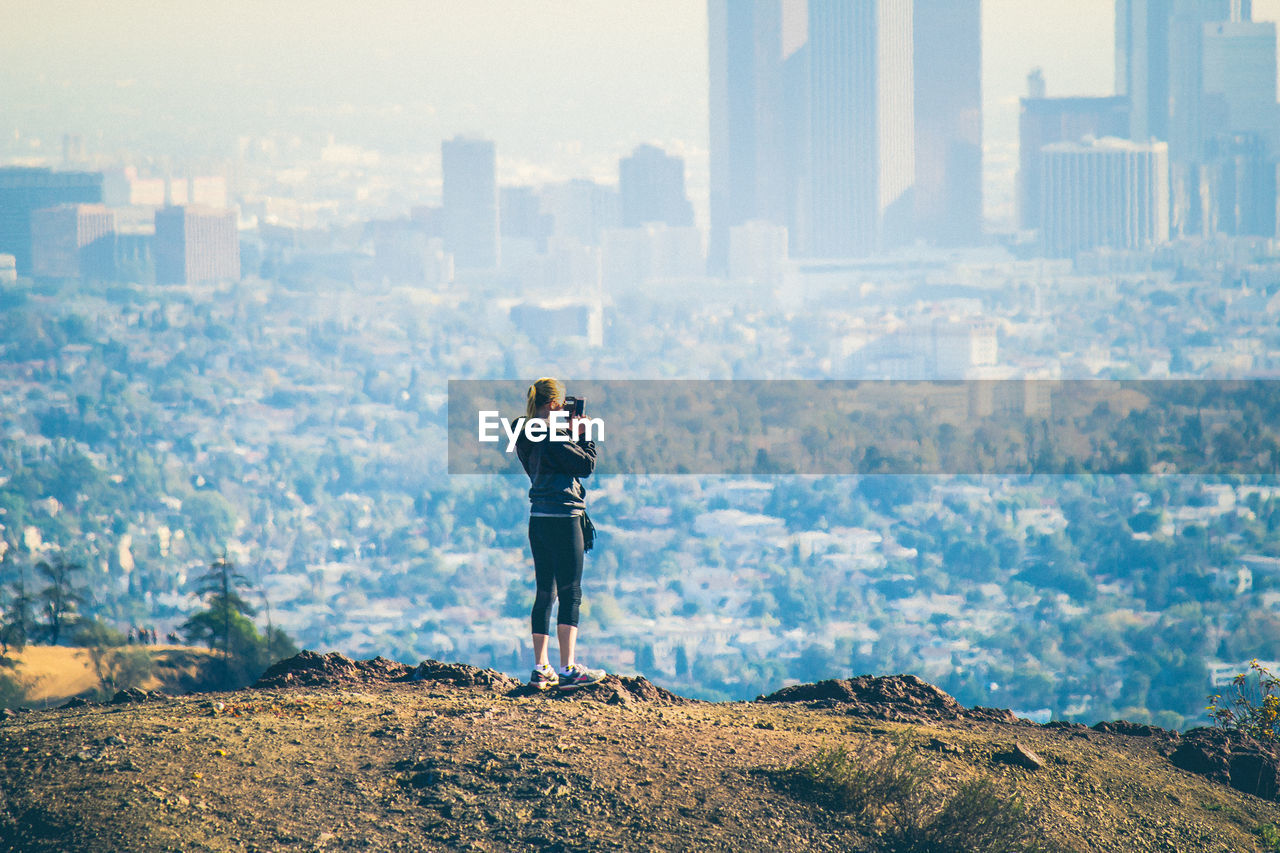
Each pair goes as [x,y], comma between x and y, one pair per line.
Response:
[54,674]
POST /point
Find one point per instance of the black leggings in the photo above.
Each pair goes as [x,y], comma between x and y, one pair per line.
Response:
[557,562]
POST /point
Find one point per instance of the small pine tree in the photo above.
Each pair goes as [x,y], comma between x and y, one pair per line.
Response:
[17,623]
[60,601]
[226,614]
[225,625]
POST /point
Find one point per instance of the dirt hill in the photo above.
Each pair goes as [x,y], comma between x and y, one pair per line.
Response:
[328,753]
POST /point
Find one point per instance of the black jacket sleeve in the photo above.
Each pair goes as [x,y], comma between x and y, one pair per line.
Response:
[572,457]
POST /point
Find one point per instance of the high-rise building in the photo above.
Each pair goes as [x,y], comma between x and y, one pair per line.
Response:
[470,202]
[753,165]
[25,190]
[195,245]
[1142,64]
[1159,67]
[1238,78]
[580,209]
[947,56]
[861,126]
[1104,193]
[1240,181]
[651,186]
[522,217]
[1044,121]
[73,241]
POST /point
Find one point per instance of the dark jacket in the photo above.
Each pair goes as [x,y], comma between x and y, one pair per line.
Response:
[554,468]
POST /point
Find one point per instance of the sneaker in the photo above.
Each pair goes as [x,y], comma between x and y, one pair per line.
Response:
[543,678]
[578,675]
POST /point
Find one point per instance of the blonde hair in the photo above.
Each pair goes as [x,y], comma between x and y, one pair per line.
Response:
[542,392]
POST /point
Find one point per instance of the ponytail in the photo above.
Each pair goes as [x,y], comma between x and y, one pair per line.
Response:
[542,392]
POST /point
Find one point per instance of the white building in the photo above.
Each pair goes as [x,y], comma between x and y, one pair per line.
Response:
[1104,193]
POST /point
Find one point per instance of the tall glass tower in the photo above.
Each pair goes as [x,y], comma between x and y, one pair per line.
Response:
[861,126]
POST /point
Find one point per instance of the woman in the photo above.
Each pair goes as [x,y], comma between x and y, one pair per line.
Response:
[557,504]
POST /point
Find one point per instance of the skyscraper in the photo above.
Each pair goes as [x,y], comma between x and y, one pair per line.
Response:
[1104,193]
[196,245]
[1142,63]
[1043,121]
[651,186]
[1159,52]
[1238,78]
[73,241]
[1240,178]
[470,202]
[861,126]
[748,146]
[25,190]
[947,57]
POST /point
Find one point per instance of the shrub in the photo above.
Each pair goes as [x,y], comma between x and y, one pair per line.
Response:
[13,691]
[859,784]
[974,819]
[1253,705]
[893,797]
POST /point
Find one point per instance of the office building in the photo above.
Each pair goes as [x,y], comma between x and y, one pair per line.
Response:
[651,189]
[124,188]
[1159,67]
[25,190]
[1142,37]
[132,253]
[580,209]
[524,227]
[1238,78]
[1104,193]
[1043,121]
[861,127]
[73,241]
[196,245]
[947,56]
[470,211]
[560,319]
[1239,178]
[753,162]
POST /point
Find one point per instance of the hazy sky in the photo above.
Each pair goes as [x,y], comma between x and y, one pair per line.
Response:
[562,86]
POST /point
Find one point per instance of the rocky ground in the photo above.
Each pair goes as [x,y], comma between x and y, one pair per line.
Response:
[331,754]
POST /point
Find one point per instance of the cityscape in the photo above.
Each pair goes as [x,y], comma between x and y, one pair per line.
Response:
[241,344]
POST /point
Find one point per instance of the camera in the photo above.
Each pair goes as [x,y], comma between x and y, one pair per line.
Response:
[575,406]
